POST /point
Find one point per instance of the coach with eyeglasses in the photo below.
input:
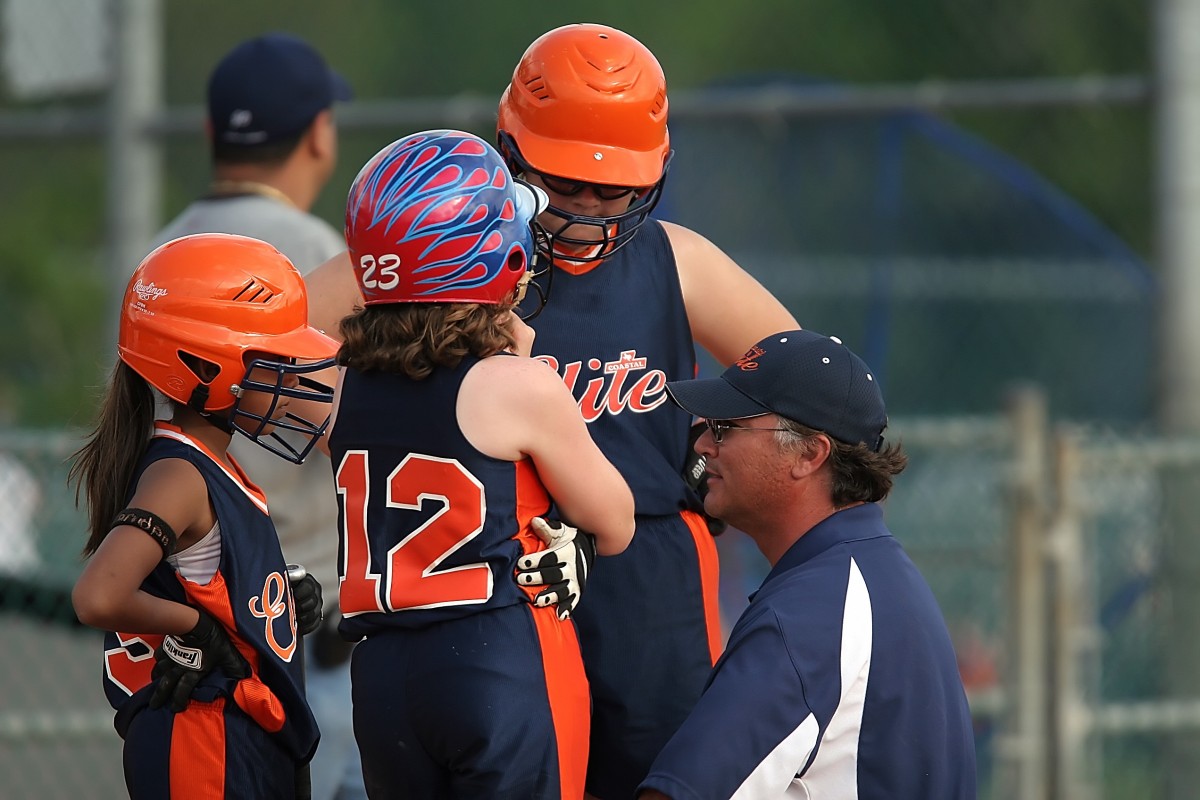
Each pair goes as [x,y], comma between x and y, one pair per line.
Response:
[839,680]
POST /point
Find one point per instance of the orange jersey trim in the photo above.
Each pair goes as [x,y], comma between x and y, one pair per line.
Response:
[569,696]
[197,760]
[251,694]
[706,552]
[532,501]
[562,257]
[235,472]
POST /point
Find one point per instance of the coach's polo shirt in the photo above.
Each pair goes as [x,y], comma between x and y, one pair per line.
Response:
[839,681]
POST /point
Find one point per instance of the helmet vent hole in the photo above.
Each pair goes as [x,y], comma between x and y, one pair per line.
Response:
[660,102]
[254,292]
[205,371]
[537,87]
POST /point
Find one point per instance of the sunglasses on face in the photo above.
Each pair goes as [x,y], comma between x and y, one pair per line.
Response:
[719,427]
[570,188]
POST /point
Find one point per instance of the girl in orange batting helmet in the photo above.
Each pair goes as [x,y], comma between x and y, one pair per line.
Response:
[185,572]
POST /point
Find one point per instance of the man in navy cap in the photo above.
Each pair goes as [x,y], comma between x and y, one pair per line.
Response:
[839,679]
[274,147]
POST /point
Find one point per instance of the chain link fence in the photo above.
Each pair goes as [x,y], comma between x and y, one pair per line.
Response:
[56,733]
[1104,538]
[962,229]
[1122,559]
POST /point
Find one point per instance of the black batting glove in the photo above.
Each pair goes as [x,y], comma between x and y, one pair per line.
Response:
[695,476]
[182,660]
[563,567]
[306,594]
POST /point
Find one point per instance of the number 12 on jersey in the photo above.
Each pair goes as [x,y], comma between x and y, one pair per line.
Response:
[409,577]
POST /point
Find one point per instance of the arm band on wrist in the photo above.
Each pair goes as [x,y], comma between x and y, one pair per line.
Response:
[152,524]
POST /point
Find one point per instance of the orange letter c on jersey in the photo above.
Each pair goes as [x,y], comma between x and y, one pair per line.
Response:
[270,607]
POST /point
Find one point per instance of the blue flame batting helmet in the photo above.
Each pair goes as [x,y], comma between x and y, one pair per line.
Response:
[436,217]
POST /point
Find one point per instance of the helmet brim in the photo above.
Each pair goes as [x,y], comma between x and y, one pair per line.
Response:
[590,162]
[304,344]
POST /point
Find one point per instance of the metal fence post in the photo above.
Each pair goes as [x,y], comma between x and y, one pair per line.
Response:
[134,152]
[1071,629]
[1177,61]
[1022,751]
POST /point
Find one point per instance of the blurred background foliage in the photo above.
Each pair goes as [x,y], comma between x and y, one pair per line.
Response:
[956,251]
[52,219]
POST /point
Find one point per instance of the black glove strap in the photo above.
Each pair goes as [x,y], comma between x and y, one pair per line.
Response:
[693,463]
[152,524]
[697,479]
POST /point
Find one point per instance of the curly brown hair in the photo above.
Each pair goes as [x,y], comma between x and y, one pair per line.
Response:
[860,475]
[413,338]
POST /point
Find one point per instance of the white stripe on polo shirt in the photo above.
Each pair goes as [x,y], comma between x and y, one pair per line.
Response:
[836,764]
[834,770]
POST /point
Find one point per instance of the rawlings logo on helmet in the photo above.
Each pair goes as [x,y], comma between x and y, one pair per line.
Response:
[146,292]
[436,217]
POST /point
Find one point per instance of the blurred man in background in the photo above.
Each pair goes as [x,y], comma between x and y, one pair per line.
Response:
[274,147]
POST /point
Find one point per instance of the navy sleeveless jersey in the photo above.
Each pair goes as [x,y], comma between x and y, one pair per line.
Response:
[617,334]
[249,592]
[431,528]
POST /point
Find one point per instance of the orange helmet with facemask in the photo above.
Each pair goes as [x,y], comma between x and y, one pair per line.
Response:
[588,103]
[238,305]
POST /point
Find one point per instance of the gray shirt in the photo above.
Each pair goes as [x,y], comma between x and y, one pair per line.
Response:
[302,498]
[306,240]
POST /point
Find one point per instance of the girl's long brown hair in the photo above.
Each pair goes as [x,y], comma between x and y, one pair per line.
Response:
[103,467]
[413,338]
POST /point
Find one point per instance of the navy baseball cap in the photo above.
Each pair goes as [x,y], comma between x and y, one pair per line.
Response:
[269,88]
[805,376]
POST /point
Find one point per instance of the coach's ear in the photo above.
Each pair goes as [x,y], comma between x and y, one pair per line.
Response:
[809,458]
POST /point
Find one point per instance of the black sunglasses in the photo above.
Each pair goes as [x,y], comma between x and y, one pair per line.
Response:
[569,188]
[562,186]
[719,427]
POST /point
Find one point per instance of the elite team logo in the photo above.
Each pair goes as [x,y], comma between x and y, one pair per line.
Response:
[607,392]
[147,291]
[748,362]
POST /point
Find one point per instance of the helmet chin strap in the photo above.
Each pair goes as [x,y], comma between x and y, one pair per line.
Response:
[197,402]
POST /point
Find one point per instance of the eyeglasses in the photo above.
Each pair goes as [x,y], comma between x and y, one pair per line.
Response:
[719,427]
[569,188]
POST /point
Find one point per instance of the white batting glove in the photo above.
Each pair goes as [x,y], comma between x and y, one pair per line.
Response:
[563,567]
